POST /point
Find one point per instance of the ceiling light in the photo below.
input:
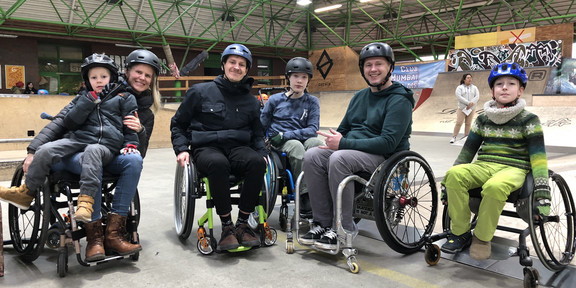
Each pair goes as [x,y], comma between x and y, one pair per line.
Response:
[133,46]
[304,2]
[327,8]
[8,36]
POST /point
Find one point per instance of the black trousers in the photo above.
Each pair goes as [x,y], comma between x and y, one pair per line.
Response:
[218,164]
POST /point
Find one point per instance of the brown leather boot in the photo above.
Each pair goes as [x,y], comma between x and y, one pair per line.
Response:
[95,239]
[114,241]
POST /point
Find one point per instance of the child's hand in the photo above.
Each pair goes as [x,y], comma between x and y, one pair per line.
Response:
[129,149]
[542,207]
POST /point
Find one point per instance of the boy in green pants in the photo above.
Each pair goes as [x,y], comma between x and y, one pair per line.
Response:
[509,142]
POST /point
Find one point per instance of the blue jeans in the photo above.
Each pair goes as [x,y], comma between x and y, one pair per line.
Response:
[128,166]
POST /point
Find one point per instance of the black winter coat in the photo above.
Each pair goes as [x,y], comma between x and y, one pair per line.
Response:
[56,129]
[218,114]
[100,122]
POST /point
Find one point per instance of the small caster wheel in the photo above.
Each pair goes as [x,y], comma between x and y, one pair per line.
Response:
[53,238]
[432,255]
[134,257]
[205,246]
[62,265]
[531,277]
[289,247]
[353,265]
[270,235]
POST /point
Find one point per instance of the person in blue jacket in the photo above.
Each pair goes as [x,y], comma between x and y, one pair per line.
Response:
[377,124]
[291,120]
[218,126]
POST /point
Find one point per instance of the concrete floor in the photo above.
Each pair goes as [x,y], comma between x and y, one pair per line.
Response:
[167,262]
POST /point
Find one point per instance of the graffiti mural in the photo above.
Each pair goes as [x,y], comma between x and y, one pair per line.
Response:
[534,54]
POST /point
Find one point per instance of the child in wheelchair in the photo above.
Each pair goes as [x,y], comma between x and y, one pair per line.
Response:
[509,142]
[291,120]
[96,123]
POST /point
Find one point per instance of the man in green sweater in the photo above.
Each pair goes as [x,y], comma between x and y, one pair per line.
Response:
[509,142]
[377,124]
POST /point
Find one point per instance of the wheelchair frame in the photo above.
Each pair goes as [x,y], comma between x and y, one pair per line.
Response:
[56,230]
[555,255]
[188,187]
[400,190]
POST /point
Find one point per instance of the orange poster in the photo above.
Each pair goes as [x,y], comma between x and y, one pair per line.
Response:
[13,74]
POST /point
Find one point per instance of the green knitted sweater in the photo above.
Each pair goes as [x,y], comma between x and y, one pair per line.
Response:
[511,136]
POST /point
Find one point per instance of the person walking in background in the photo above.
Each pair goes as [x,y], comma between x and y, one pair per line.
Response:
[467,95]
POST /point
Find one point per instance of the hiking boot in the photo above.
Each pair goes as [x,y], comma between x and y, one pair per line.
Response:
[246,236]
[228,239]
[456,243]
[95,239]
[328,241]
[480,250]
[313,235]
[16,196]
[84,212]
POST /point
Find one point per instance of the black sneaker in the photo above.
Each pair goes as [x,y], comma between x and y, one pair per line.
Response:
[313,235]
[328,241]
[457,243]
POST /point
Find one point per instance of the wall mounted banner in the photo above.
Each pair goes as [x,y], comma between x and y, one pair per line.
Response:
[418,75]
[535,54]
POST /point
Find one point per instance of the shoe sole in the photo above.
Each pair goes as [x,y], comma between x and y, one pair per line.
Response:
[307,241]
[456,250]
[325,246]
[24,208]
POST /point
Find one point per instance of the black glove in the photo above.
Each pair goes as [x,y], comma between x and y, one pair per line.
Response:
[277,140]
[112,89]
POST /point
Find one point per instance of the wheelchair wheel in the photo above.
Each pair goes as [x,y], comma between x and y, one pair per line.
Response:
[62,265]
[553,236]
[271,185]
[29,228]
[184,202]
[406,201]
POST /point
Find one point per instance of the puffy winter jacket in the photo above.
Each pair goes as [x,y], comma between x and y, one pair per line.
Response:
[218,114]
[100,121]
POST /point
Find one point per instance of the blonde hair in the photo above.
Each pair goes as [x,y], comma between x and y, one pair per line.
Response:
[155,93]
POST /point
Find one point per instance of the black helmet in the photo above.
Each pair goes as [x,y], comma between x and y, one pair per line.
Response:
[508,69]
[299,64]
[143,56]
[98,60]
[239,50]
[376,49]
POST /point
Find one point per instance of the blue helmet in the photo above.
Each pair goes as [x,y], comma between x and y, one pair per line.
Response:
[239,50]
[508,69]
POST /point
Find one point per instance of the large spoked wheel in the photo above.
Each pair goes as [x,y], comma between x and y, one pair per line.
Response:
[29,228]
[553,235]
[406,201]
[184,202]
[271,185]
